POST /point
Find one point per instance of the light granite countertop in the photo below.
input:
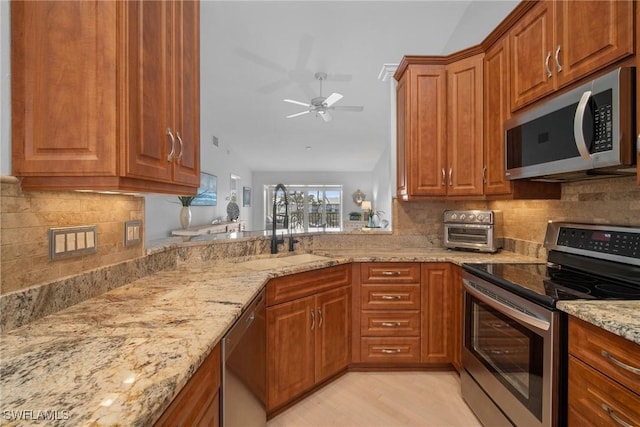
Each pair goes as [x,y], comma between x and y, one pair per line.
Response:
[121,358]
[619,317]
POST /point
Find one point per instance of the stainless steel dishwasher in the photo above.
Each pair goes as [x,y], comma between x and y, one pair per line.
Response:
[244,374]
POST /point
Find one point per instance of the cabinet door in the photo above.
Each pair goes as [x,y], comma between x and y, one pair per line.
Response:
[426,151]
[402,133]
[464,127]
[436,313]
[457,320]
[150,130]
[496,111]
[638,89]
[187,92]
[291,330]
[333,332]
[64,88]
[531,41]
[591,35]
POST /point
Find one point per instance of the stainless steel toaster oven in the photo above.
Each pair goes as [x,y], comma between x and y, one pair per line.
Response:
[473,230]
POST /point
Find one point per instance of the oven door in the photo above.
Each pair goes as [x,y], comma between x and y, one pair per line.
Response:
[479,237]
[511,352]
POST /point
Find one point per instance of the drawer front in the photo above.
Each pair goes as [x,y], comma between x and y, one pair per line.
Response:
[390,350]
[596,400]
[390,272]
[610,354]
[377,297]
[294,286]
[396,323]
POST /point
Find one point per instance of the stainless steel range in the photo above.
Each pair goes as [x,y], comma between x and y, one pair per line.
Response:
[514,353]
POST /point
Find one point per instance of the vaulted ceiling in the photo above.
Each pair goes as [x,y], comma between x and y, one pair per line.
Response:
[256,53]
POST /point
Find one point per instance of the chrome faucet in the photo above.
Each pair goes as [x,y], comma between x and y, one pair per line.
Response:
[274,238]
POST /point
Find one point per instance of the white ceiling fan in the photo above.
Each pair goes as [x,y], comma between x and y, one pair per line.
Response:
[321,105]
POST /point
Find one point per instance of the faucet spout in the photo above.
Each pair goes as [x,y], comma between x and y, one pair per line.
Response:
[285,222]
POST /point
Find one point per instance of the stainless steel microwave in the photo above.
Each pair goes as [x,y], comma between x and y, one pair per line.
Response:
[587,132]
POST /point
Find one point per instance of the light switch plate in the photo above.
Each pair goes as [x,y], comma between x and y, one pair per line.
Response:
[67,242]
[132,232]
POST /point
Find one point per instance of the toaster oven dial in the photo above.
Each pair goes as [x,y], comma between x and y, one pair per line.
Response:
[471,217]
[462,217]
[480,217]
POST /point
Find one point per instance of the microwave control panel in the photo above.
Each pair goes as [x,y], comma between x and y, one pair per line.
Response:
[601,109]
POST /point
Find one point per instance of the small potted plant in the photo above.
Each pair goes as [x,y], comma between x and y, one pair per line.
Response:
[185,212]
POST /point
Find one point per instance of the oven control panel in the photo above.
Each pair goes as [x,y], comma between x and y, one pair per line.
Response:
[615,242]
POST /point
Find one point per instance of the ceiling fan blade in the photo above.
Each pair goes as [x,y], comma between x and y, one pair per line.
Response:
[347,108]
[325,115]
[299,114]
[296,102]
[332,99]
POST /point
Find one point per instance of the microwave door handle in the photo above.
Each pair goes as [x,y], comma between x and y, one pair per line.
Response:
[578,132]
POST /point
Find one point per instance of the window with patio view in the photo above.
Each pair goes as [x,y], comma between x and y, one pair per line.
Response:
[311,207]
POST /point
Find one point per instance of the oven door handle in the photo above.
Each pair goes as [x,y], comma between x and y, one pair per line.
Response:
[510,311]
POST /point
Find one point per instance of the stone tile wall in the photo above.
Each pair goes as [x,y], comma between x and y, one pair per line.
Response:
[25,221]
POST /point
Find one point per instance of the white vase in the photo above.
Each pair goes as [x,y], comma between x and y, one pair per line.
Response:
[185,216]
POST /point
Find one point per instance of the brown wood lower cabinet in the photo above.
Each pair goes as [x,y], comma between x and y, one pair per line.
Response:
[604,379]
[198,403]
[437,332]
[309,336]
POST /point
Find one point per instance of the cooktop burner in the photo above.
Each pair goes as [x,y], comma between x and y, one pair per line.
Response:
[547,285]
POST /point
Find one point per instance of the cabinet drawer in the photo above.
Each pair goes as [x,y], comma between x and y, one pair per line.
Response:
[610,354]
[397,323]
[294,286]
[390,350]
[595,399]
[390,297]
[390,272]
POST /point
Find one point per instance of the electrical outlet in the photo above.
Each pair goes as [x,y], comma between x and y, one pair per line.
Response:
[132,232]
[67,242]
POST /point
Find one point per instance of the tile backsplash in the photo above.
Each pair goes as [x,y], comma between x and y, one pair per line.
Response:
[27,217]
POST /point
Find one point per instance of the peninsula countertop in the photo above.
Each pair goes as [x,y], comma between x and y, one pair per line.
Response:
[121,358]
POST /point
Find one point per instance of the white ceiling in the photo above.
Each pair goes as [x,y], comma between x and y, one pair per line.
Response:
[256,53]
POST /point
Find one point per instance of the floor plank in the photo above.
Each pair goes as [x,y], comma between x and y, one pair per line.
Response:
[383,399]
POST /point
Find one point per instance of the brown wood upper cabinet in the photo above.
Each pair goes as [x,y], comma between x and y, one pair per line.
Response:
[114,104]
[559,42]
[439,119]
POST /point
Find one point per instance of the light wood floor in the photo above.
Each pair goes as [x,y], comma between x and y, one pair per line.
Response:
[383,399]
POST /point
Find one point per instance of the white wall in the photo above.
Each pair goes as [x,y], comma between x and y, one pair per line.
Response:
[5,89]
[477,22]
[351,181]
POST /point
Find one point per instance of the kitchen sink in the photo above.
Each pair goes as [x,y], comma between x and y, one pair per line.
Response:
[281,261]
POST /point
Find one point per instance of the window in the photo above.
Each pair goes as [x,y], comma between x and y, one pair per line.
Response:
[311,207]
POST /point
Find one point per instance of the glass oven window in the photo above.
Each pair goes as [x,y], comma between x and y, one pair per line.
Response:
[467,235]
[510,351]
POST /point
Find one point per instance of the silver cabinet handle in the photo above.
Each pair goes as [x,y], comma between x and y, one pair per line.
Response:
[390,324]
[173,146]
[181,147]
[320,315]
[444,178]
[390,273]
[391,297]
[620,364]
[313,319]
[484,174]
[578,133]
[614,417]
[558,66]
[450,180]
[546,64]
[390,350]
